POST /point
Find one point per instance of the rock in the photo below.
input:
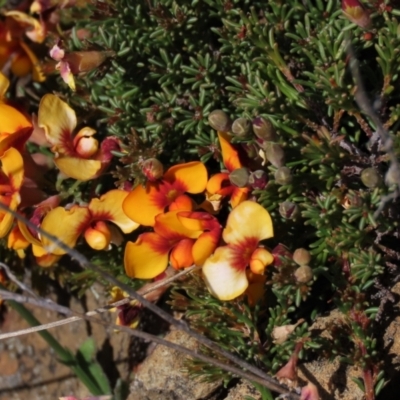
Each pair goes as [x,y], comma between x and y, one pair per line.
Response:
[161,376]
[243,389]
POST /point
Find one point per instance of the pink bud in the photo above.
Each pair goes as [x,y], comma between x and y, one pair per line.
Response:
[309,392]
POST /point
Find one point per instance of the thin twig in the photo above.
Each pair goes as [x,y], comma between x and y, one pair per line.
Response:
[387,142]
[43,303]
[179,324]
[143,291]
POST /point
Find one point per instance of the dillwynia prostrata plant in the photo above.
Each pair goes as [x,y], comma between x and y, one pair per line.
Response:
[161,79]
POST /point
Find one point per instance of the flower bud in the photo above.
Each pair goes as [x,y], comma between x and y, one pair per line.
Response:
[280,252]
[303,274]
[356,13]
[239,177]
[392,177]
[274,154]
[263,129]
[288,210]
[281,333]
[258,179]
[152,169]
[219,121]
[283,176]
[370,178]
[85,61]
[241,127]
[301,256]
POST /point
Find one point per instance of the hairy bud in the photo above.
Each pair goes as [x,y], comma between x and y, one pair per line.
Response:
[241,127]
[283,176]
[263,129]
[219,121]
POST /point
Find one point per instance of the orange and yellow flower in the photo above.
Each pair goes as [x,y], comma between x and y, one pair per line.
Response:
[220,184]
[225,271]
[11,178]
[79,156]
[90,220]
[182,237]
[144,203]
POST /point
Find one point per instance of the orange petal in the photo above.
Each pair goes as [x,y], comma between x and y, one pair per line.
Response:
[109,208]
[47,260]
[222,280]
[16,139]
[147,257]
[248,220]
[169,227]
[181,254]
[16,240]
[78,168]
[66,225]
[260,259]
[11,119]
[28,235]
[139,207]
[181,203]
[230,155]
[205,246]
[239,195]
[13,167]
[58,120]
[217,182]
[190,177]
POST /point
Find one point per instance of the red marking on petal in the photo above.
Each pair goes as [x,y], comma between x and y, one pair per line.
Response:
[242,252]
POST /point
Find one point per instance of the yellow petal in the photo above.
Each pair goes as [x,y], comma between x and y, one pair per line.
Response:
[66,225]
[6,219]
[139,207]
[224,281]
[28,235]
[4,84]
[205,246]
[78,168]
[58,120]
[109,208]
[190,177]
[260,259]
[37,72]
[12,165]
[147,257]
[248,220]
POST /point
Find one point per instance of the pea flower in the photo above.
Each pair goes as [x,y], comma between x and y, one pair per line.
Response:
[128,313]
[225,271]
[11,119]
[78,156]
[143,204]
[88,220]
[220,184]
[182,237]
[11,177]
[43,257]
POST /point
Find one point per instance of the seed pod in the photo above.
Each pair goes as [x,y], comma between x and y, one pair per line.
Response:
[303,274]
[241,127]
[283,176]
[370,178]
[263,129]
[274,154]
[301,256]
[219,121]
[258,179]
[288,210]
[152,169]
[239,177]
